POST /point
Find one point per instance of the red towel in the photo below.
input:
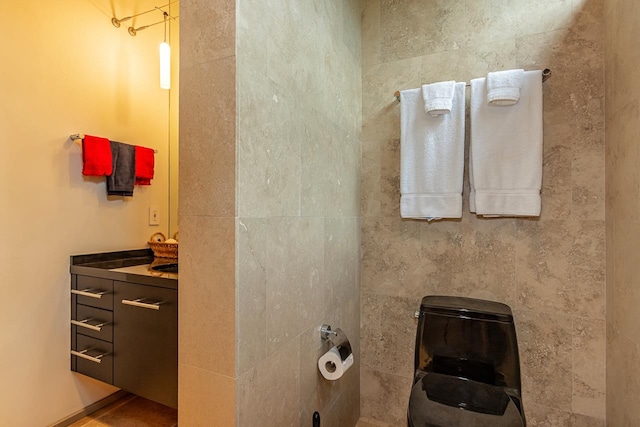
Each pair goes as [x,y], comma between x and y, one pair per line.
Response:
[96,156]
[144,165]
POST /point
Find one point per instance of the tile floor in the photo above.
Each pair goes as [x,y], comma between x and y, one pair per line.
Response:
[365,422]
[135,411]
[131,411]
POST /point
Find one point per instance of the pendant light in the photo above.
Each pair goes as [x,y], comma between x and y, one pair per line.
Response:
[165,59]
[165,49]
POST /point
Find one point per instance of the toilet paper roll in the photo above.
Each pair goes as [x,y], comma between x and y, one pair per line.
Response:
[332,366]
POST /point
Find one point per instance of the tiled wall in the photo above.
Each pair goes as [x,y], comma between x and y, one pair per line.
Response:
[622,212]
[207,294]
[298,224]
[550,270]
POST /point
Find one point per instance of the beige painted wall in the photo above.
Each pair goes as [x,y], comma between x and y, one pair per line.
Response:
[298,225]
[550,270]
[622,217]
[65,70]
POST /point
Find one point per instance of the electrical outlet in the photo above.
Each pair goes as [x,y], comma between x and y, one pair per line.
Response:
[154,215]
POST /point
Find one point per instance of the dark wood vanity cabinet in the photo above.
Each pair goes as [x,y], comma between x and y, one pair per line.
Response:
[126,334]
[146,341]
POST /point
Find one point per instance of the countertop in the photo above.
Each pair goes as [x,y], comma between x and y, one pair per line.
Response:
[127,266]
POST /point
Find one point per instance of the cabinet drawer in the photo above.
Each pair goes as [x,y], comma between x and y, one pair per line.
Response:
[93,291]
[93,322]
[93,358]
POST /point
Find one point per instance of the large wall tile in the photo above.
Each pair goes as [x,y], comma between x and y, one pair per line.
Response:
[391,262]
[371,33]
[289,61]
[626,270]
[341,95]
[468,63]
[205,398]
[412,28]
[623,191]
[251,268]
[589,365]
[340,260]
[545,358]
[589,11]
[295,277]
[491,21]
[380,178]
[491,273]
[623,361]
[384,397]
[556,179]
[473,259]
[544,416]
[610,243]
[251,49]
[560,267]
[380,110]
[624,23]
[345,411]
[398,335]
[207,139]
[330,169]
[269,393]
[268,151]
[210,34]
[370,330]
[207,294]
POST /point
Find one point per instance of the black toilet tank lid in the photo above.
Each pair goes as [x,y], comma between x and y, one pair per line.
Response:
[462,306]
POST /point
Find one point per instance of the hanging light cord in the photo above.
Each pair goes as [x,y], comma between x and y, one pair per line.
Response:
[165,15]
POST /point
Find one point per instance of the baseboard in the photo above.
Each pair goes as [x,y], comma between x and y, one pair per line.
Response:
[90,409]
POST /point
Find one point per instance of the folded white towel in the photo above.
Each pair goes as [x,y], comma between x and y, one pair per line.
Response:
[505,156]
[503,87]
[431,158]
[438,97]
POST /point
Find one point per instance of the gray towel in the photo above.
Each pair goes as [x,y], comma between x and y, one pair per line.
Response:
[123,177]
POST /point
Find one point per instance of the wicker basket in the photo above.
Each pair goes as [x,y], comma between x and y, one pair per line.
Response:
[161,249]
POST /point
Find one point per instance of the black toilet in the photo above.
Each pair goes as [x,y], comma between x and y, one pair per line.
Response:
[467,369]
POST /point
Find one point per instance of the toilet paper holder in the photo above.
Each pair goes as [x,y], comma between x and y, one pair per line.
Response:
[339,357]
[337,338]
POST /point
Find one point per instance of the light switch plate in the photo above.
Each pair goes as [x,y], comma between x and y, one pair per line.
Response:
[154,215]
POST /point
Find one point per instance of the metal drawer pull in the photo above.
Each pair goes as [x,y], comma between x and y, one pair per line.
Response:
[83,354]
[138,303]
[84,323]
[88,293]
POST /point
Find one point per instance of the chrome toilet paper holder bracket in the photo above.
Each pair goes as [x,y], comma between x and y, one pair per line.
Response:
[337,338]
[326,332]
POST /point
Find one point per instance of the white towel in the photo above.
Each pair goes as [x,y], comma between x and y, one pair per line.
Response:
[431,158]
[505,155]
[503,87]
[438,97]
